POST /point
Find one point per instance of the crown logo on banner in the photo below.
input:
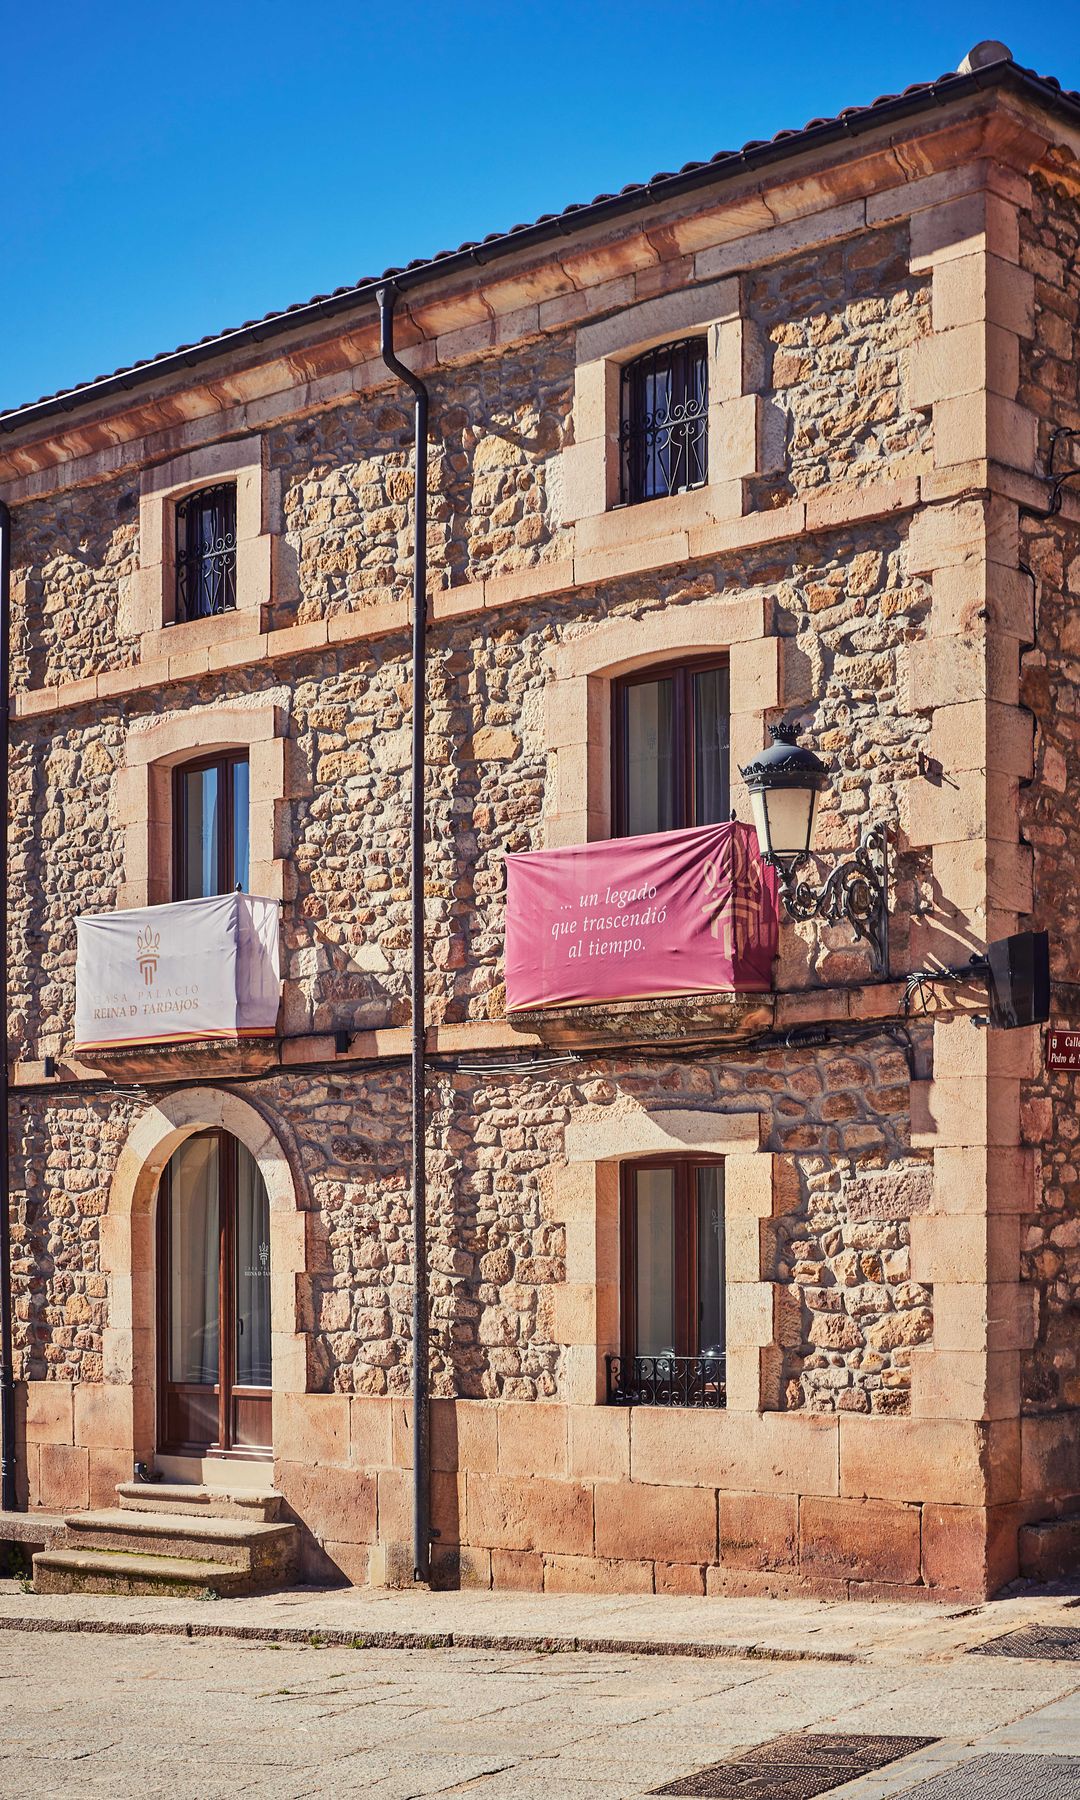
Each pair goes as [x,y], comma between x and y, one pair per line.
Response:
[147,945]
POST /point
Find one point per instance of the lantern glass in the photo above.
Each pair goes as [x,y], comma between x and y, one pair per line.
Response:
[784,820]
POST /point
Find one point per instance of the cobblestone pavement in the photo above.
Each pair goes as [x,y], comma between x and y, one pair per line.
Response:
[153,1715]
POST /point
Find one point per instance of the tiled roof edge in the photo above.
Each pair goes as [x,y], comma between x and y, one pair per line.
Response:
[852,121]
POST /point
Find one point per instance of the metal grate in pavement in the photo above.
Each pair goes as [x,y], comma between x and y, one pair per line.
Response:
[797,1766]
[1039,1643]
[1004,1778]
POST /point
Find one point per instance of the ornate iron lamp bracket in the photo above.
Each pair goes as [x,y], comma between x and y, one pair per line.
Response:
[856,891]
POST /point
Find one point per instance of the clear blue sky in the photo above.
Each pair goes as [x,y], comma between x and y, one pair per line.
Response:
[169,172]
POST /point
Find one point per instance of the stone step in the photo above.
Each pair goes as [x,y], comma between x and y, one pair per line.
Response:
[23,1533]
[112,1572]
[210,1503]
[36,1527]
[1050,1549]
[265,1551]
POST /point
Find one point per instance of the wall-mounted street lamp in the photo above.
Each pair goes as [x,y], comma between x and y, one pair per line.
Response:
[784,784]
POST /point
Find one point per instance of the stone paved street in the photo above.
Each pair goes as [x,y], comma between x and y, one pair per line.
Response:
[154,1715]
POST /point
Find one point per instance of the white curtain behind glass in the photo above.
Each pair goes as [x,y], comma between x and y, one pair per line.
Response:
[194,1238]
[240,791]
[252,1274]
[655,1274]
[711,728]
[650,757]
[710,1259]
[201,812]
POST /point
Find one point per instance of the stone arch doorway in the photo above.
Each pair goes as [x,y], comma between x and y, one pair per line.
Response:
[131,1234]
[215,1362]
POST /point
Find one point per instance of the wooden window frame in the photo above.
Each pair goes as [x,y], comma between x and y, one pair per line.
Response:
[685,1254]
[226,762]
[225,1388]
[681,673]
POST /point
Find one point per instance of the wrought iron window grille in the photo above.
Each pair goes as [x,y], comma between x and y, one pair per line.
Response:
[206,553]
[667,1380]
[664,418]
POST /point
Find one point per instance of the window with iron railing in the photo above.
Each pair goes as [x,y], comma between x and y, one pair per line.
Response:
[672,1300]
[663,431]
[206,553]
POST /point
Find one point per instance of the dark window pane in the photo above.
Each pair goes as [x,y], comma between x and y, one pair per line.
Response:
[650,801]
[238,875]
[664,424]
[710,1258]
[672,737]
[206,553]
[200,864]
[654,1200]
[710,725]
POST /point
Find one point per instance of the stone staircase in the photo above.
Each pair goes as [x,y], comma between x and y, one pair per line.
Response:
[172,1540]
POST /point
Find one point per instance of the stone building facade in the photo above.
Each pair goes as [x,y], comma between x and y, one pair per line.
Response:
[890,307]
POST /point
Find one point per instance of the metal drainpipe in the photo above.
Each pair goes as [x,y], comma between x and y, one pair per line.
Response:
[387,298]
[8,1497]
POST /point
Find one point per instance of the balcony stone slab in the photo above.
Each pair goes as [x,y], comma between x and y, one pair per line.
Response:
[681,1019]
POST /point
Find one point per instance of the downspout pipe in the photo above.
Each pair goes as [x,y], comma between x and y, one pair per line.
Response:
[387,296]
[8,1496]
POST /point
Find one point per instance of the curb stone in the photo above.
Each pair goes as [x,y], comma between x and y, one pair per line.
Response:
[423,1640]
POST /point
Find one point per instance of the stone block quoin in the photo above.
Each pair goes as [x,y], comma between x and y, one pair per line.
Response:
[966,675]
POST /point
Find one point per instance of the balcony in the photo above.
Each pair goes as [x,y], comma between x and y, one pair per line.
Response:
[196,971]
[667,1380]
[670,936]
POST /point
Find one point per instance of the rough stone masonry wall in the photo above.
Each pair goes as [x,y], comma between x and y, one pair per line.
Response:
[1050,807]
[847,613]
[834,327]
[341,491]
[346,496]
[852,609]
[71,553]
[497,1247]
[67,859]
[62,1159]
[340,486]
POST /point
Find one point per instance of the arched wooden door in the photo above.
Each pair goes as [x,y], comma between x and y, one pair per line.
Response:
[214,1376]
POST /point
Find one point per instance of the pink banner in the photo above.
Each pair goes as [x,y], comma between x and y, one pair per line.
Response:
[677,912]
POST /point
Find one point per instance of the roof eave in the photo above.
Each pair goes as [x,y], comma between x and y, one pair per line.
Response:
[858,123]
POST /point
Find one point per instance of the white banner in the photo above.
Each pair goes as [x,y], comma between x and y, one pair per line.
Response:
[168,974]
